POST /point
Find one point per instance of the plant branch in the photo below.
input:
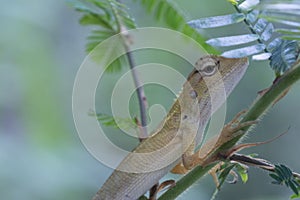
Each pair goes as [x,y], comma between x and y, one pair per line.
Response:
[137,82]
[260,106]
[257,162]
[140,93]
[273,94]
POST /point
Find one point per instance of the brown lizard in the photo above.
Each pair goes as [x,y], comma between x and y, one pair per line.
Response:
[206,89]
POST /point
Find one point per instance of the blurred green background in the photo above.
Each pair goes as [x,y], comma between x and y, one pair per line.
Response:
[41,156]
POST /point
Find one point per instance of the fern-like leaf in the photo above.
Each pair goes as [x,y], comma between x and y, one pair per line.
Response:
[280,46]
[108,17]
[283,176]
[127,124]
[167,12]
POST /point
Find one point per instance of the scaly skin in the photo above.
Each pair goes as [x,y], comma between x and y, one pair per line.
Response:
[206,89]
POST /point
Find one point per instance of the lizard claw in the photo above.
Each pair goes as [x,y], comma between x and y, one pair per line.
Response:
[235,124]
[163,186]
[179,169]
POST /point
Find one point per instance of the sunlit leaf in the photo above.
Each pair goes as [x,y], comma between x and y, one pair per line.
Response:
[233,2]
[245,51]
[248,5]
[274,44]
[275,5]
[268,32]
[211,22]
[262,56]
[283,51]
[252,16]
[233,40]
[284,54]
[260,25]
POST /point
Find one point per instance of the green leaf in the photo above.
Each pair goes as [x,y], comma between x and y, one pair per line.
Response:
[115,122]
[283,175]
[167,12]
[288,31]
[93,19]
[295,196]
[217,21]
[110,17]
[294,187]
[226,168]
[85,6]
[108,51]
[242,171]
[277,179]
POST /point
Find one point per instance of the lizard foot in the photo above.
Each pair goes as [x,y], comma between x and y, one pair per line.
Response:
[218,168]
[179,169]
[163,186]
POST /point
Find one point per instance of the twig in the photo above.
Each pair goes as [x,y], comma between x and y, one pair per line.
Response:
[257,162]
[137,82]
[140,94]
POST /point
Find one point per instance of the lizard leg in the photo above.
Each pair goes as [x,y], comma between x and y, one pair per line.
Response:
[185,165]
[213,172]
[236,118]
[179,169]
[204,155]
[190,159]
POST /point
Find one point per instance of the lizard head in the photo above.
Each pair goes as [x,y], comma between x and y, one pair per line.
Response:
[209,85]
[215,73]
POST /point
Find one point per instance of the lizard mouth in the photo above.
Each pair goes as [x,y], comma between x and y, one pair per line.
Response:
[232,77]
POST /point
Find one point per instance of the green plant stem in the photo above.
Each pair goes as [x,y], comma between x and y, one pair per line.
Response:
[256,110]
[274,92]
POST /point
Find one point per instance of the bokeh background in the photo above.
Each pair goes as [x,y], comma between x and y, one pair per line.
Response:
[41,156]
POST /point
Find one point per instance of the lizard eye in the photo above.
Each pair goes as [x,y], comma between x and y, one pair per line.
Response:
[209,70]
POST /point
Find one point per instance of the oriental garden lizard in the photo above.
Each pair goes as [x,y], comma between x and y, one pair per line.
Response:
[174,141]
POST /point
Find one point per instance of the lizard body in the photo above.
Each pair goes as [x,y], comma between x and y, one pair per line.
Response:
[206,89]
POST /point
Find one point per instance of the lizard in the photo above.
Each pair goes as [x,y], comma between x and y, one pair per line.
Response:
[172,145]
